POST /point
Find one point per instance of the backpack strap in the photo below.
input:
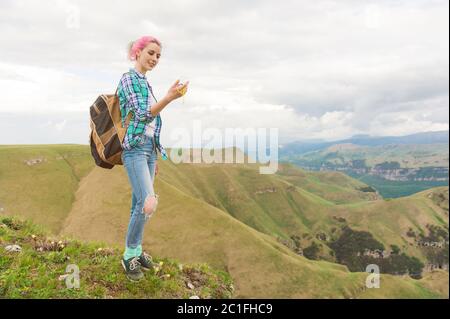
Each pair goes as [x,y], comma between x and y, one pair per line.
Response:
[117,89]
[128,118]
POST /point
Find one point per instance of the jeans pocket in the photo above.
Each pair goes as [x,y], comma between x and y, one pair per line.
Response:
[129,156]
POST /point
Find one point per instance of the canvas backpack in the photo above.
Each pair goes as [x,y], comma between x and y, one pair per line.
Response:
[107,133]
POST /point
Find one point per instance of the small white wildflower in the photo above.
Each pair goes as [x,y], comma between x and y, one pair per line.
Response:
[190,285]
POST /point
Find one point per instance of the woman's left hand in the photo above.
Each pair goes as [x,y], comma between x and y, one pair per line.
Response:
[156,168]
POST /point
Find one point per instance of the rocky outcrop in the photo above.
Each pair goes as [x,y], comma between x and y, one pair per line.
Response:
[434,244]
[322,236]
[266,190]
[435,174]
[292,245]
[377,253]
[431,267]
[34,161]
[411,174]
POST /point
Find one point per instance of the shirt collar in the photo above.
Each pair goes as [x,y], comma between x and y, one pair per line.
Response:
[142,76]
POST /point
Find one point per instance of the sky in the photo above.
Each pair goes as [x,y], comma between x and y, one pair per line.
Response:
[313,69]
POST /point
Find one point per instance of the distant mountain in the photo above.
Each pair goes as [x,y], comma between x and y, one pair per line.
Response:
[394,165]
[301,147]
[419,138]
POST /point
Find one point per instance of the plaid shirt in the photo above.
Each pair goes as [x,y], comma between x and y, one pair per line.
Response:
[133,92]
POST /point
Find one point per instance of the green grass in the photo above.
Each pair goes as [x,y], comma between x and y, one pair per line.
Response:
[214,214]
[43,192]
[332,186]
[36,274]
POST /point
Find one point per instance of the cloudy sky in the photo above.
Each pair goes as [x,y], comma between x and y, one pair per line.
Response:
[313,69]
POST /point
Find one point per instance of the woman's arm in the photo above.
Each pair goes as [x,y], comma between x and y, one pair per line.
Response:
[129,90]
[158,107]
[174,93]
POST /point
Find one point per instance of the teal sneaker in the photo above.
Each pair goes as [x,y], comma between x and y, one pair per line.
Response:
[146,261]
[132,269]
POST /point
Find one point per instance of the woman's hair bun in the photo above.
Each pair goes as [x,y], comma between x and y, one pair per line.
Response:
[140,44]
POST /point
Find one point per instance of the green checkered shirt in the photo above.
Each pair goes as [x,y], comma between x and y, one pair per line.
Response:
[134,96]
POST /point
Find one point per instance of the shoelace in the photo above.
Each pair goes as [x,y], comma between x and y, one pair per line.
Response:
[147,257]
[134,263]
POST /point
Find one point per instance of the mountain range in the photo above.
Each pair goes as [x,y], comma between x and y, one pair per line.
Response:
[304,146]
[394,166]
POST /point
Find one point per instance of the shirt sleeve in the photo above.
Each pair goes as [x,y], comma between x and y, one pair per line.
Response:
[130,89]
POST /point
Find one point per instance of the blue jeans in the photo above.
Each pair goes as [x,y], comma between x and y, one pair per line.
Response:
[139,162]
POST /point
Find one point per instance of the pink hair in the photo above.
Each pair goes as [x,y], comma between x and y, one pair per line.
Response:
[140,44]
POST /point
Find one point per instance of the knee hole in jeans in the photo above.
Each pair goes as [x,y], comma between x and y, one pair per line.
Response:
[150,204]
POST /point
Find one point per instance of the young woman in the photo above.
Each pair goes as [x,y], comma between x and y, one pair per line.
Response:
[140,145]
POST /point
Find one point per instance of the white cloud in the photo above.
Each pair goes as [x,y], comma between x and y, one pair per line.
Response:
[60,126]
[322,69]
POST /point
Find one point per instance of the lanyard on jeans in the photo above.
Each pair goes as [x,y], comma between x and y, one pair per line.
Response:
[161,149]
[153,136]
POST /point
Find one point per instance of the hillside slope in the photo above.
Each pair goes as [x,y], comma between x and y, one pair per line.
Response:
[228,216]
[41,267]
[38,182]
[194,231]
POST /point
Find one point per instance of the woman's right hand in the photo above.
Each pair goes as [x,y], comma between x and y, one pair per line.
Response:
[176,90]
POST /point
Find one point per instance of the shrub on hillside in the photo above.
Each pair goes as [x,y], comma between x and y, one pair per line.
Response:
[312,251]
[353,249]
[395,250]
[437,256]
[368,189]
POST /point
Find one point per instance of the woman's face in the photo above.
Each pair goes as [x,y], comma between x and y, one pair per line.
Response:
[148,58]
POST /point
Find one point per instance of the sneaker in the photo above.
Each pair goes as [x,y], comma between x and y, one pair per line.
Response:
[132,268]
[146,261]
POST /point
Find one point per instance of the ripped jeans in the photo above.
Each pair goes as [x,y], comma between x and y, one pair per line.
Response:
[139,163]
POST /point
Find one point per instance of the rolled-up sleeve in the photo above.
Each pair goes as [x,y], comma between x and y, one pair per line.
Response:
[136,102]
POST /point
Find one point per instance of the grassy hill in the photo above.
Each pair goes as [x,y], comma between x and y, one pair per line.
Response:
[43,188]
[393,169]
[38,270]
[391,220]
[228,216]
[332,186]
[299,203]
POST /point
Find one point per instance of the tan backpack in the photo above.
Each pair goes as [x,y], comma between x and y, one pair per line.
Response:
[107,133]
